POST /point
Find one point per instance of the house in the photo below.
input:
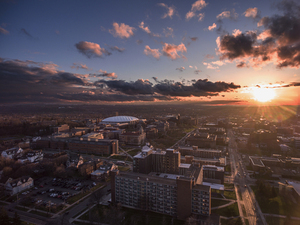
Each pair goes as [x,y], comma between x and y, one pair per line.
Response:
[75,160]
[12,152]
[104,171]
[14,186]
[32,156]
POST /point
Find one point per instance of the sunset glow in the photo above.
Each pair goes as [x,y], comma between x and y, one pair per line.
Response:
[263,94]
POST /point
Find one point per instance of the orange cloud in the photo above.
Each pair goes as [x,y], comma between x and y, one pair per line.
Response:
[171,50]
[153,52]
[122,30]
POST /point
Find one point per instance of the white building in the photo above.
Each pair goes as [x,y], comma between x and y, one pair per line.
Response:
[12,152]
[14,186]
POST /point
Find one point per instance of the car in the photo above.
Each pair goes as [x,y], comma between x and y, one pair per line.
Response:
[245,186]
[67,212]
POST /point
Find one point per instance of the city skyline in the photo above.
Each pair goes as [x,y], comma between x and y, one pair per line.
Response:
[231,52]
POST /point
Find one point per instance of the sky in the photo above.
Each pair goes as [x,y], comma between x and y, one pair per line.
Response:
[233,51]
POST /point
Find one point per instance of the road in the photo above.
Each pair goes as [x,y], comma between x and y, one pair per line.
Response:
[241,178]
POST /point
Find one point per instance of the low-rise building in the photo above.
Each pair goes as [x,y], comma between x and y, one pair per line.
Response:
[12,152]
[14,186]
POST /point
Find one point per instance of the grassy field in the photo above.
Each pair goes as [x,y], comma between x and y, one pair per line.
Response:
[280,221]
[229,186]
[131,216]
[229,211]
[278,205]
[230,195]
[134,152]
[234,221]
[217,202]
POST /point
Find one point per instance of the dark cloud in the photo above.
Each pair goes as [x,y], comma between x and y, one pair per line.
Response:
[241,65]
[130,88]
[25,32]
[181,69]
[197,71]
[90,49]
[170,87]
[105,74]
[278,43]
[237,46]
[115,48]
[194,38]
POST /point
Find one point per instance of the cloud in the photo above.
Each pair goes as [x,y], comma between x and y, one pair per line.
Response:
[26,33]
[90,49]
[181,69]
[147,30]
[228,15]
[196,6]
[104,74]
[168,32]
[3,31]
[212,26]
[194,38]
[210,66]
[153,52]
[209,56]
[251,12]
[241,64]
[278,43]
[169,87]
[130,88]
[171,10]
[197,71]
[115,48]
[122,30]
[139,41]
[201,16]
[171,50]
[57,32]
[79,66]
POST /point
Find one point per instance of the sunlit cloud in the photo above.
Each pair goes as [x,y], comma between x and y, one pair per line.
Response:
[147,30]
[170,10]
[153,52]
[171,50]
[251,12]
[78,66]
[227,15]
[122,30]
[212,26]
[196,6]
[3,31]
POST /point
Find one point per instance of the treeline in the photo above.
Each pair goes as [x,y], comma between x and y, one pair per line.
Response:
[24,128]
[48,167]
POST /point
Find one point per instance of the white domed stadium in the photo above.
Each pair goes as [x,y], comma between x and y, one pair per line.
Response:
[120,119]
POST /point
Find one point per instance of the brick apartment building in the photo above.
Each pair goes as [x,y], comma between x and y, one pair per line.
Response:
[177,196]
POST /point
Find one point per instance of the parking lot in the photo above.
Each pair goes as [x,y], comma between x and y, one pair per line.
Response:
[55,191]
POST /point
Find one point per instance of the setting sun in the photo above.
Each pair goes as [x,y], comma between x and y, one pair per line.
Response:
[264,94]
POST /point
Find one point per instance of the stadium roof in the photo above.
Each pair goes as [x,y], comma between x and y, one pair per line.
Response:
[120,119]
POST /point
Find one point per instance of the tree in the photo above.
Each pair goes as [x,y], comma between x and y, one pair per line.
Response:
[4,219]
[17,219]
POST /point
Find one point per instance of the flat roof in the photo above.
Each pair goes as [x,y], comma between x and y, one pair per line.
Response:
[218,168]
[296,186]
[214,186]
[256,161]
[184,165]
